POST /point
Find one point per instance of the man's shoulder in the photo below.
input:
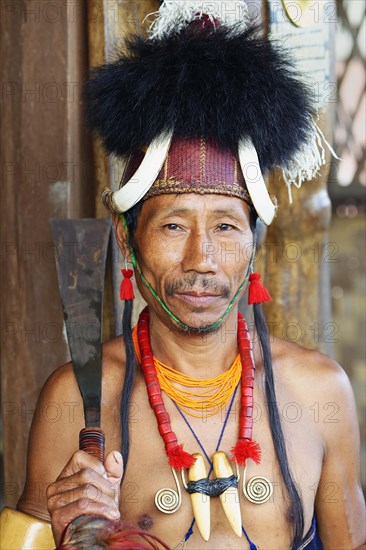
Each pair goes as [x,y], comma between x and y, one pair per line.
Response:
[114,356]
[308,368]
[62,381]
[114,362]
[318,386]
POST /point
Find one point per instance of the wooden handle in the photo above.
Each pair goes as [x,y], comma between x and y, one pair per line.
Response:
[92,441]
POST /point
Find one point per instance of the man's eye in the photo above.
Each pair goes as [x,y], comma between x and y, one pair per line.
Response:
[224,227]
[172,226]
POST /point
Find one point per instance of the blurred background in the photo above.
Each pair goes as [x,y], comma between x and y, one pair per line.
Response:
[52,168]
[347,190]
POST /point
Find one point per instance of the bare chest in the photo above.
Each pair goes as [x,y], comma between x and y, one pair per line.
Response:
[148,473]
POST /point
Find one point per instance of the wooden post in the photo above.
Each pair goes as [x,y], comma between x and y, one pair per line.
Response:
[294,259]
[44,155]
[293,253]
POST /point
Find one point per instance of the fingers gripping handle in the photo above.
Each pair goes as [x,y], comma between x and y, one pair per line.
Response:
[92,441]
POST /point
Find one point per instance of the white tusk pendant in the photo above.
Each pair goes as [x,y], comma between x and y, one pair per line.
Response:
[200,502]
[230,498]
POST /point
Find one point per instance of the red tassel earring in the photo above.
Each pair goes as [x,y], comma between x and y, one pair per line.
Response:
[126,289]
[257,292]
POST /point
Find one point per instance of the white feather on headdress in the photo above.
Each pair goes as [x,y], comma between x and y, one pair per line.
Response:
[308,161]
[175,15]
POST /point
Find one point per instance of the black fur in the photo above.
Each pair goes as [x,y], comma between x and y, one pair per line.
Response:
[207,84]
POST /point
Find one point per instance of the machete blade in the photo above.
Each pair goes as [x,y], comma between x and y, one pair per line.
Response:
[81,251]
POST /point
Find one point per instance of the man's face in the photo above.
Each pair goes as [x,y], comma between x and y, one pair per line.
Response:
[194,251]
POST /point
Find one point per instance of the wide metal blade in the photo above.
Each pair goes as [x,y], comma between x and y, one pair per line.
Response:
[81,251]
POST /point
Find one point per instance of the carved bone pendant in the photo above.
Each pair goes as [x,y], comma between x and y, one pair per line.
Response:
[200,502]
[230,498]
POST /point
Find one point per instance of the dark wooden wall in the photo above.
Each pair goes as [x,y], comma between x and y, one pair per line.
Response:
[45,172]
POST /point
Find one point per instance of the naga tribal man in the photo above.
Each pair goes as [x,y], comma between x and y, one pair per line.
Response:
[216,105]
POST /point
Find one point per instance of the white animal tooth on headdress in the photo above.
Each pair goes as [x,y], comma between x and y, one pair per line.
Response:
[175,15]
[139,184]
[308,161]
[254,182]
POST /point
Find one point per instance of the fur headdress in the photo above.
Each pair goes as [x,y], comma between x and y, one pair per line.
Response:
[203,76]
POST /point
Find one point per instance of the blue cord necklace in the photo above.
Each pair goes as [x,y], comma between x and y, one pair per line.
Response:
[183,544]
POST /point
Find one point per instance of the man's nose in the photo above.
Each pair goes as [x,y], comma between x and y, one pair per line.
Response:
[200,254]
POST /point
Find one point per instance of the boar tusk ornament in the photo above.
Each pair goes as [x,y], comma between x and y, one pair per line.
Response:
[200,501]
[229,498]
[257,490]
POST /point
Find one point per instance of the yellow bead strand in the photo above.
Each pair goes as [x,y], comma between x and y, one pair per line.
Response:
[214,392]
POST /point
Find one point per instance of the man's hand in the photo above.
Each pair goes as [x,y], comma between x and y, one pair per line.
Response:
[85,486]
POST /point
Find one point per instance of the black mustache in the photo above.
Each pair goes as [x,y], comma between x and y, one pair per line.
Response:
[197,283]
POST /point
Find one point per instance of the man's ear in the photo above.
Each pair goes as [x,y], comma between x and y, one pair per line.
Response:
[122,236]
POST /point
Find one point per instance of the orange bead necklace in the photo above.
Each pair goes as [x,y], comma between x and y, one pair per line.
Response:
[208,397]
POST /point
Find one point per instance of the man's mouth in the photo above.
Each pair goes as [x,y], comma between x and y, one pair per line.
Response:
[197,298]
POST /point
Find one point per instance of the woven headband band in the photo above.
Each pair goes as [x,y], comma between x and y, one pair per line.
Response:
[173,166]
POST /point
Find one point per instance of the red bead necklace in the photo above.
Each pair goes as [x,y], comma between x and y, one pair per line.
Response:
[178,458]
